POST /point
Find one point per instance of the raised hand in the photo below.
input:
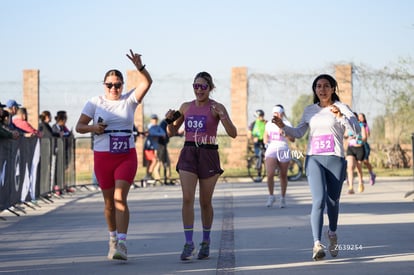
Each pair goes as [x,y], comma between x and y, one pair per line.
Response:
[136,59]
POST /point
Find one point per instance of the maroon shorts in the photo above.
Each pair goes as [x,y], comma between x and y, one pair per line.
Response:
[200,160]
[110,167]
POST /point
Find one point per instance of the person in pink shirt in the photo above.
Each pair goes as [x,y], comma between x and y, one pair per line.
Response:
[20,121]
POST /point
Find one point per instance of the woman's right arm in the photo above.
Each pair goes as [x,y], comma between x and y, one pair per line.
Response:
[83,126]
[172,128]
[298,131]
[294,132]
[144,78]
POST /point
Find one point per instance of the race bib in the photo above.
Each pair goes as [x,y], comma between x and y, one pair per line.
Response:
[119,144]
[275,136]
[195,123]
[323,144]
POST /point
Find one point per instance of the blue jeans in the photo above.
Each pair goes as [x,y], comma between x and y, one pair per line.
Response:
[326,175]
[258,147]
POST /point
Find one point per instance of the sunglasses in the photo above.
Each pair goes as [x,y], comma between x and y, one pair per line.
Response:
[202,86]
[116,85]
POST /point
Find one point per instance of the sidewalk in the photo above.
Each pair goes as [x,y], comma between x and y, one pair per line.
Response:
[70,237]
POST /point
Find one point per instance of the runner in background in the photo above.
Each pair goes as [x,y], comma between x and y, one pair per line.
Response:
[363,120]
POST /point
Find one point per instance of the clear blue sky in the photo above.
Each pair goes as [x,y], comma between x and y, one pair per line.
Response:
[79,40]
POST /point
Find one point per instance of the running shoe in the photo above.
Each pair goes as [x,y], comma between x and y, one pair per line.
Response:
[333,242]
[148,177]
[112,248]
[372,180]
[270,201]
[188,252]
[318,252]
[282,203]
[121,252]
[258,179]
[361,188]
[204,251]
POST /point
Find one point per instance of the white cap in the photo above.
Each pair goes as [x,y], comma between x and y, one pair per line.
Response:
[277,109]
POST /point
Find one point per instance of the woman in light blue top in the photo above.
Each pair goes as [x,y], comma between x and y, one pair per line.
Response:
[327,120]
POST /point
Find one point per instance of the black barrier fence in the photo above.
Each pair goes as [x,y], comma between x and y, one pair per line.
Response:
[33,168]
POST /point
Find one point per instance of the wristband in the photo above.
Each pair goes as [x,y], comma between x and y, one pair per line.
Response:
[142,68]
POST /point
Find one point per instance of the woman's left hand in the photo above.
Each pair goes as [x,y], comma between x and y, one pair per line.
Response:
[336,111]
[278,121]
[220,110]
[136,59]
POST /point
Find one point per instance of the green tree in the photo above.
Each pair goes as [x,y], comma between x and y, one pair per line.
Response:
[393,88]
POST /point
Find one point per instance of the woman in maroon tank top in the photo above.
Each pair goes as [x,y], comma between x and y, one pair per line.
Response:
[199,159]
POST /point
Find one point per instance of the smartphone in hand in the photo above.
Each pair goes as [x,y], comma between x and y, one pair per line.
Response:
[100,120]
[176,115]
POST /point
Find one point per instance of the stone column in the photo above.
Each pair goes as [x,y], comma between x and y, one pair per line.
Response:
[344,78]
[31,96]
[239,81]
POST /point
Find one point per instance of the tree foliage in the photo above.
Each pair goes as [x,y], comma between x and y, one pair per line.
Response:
[396,84]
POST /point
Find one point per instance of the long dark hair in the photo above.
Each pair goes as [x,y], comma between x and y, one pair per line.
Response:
[333,84]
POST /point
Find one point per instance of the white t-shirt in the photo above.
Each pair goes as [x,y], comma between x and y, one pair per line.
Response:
[275,138]
[326,132]
[117,114]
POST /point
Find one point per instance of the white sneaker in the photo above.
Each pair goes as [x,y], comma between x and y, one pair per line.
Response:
[112,247]
[270,201]
[121,252]
[318,252]
[282,203]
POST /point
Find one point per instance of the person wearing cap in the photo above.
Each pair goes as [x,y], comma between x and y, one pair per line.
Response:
[12,106]
[256,131]
[277,155]
[151,146]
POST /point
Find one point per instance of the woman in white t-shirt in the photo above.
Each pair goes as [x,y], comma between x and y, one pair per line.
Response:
[327,120]
[115,158]
[277,155]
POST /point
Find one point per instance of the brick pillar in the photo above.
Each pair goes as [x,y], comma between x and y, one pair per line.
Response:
[31,96]
[132,82]
[344,78]
[239,79]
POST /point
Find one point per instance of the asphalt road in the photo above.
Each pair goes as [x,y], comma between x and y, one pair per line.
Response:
[69,236]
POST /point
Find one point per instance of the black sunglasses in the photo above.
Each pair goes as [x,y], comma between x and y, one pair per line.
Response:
[197,86]
[116,85]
